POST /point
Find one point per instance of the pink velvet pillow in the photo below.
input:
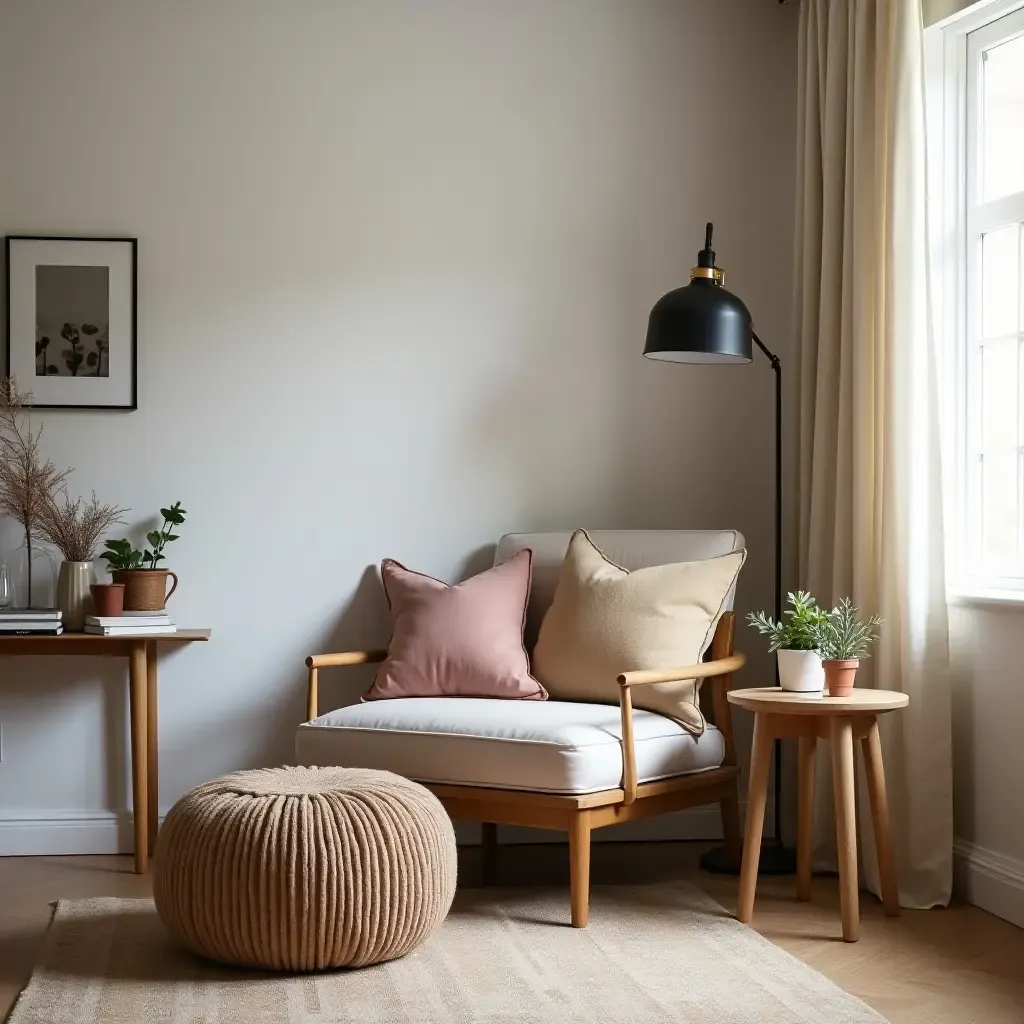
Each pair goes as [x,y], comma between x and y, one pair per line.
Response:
[461,641]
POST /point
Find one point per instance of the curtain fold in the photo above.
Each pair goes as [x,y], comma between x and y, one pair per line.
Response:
[870,511]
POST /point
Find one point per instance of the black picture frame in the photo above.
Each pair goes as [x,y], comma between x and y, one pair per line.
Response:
[130,404]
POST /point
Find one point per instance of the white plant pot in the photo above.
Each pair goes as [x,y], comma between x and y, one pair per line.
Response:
[801,672]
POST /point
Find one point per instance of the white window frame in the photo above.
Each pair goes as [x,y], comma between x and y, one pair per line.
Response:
[953,50]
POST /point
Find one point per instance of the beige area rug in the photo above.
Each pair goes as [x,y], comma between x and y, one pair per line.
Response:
[652,955]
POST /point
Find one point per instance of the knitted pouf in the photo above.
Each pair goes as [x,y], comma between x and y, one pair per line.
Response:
[302,869]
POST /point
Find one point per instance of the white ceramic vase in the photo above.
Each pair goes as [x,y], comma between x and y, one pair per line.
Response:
[801,672]
[73,595]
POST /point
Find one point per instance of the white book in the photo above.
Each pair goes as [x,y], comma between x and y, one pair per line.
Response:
[28,626]
[35,614]
[131,630]
[133,621]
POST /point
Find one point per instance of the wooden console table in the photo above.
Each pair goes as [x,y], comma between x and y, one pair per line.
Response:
[142,653]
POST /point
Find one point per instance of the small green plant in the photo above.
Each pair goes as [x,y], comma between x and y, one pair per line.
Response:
[843,635]
[796,631]
[122,554]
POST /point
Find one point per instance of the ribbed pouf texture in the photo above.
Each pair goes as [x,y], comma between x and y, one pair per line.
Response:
[305,868]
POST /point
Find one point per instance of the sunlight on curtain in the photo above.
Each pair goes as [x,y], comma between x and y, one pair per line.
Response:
[869,462]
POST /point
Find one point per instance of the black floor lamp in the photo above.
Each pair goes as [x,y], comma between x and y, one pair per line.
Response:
[703,323]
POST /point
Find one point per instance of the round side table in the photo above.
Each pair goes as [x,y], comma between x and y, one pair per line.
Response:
[780,714]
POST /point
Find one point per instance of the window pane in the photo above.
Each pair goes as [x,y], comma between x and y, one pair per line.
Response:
[1000,252]
[999,509]
[999,395]
[1003,114]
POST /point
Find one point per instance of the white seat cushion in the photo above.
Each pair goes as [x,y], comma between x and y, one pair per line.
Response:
[544,746]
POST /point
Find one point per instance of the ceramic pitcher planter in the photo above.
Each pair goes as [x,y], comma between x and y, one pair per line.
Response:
[801,671]
[840,676]
[73,583]
[145,590]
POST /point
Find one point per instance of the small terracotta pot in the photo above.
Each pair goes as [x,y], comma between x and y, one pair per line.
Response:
[840,676]
[145,590]
[107,599]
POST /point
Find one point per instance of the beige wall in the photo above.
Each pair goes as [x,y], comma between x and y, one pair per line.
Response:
[396,261]
[938,10]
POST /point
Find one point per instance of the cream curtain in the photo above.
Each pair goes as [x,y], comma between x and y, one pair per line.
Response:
[869,461]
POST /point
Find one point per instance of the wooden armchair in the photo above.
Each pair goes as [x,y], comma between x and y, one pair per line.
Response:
[620,764]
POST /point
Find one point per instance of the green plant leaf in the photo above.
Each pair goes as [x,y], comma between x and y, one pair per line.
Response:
[153,537]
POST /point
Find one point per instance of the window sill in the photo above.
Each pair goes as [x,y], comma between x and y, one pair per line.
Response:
[1009,600]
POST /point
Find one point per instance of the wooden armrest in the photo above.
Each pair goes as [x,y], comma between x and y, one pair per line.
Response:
[721,667]
[344,658]
[647,677]
[318,661]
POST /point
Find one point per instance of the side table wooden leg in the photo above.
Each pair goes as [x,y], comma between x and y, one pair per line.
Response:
[846,825]
[872,747]
[152,752]
[805,816]
[760,765]
[140,795]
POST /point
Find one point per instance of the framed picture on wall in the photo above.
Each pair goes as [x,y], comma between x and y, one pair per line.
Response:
[71,320]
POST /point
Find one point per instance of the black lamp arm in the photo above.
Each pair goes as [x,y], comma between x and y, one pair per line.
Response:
[769,354]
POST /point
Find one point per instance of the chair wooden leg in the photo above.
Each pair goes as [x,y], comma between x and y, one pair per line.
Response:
[730,808]
[579,867]
[805,816]
[488,852]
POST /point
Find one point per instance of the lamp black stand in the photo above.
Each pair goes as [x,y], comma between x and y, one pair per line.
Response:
[704,323]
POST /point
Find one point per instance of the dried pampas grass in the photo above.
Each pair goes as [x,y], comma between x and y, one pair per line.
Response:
[27,480]
[75,528]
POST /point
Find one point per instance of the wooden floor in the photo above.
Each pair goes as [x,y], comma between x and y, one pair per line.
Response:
[951,966]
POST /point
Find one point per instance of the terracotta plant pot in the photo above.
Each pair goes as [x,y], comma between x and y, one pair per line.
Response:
[107,599]
[145,590]
[840,676]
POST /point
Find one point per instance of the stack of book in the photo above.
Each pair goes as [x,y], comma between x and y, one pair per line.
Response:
[29,622]
[130,624]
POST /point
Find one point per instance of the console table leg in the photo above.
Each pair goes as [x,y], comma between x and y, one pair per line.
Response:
[140,795]
[153,782]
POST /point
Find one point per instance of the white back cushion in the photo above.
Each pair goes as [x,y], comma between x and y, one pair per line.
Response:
[632,549]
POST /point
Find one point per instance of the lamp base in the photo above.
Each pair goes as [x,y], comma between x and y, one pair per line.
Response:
[775,859]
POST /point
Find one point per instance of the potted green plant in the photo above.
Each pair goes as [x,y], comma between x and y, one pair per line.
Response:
[795,642]
[145,581]
[843,639]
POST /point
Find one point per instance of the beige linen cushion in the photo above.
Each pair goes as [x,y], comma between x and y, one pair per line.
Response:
[604,620]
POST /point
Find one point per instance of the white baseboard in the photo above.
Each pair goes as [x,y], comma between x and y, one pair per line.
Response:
[989,880]
[30,833]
